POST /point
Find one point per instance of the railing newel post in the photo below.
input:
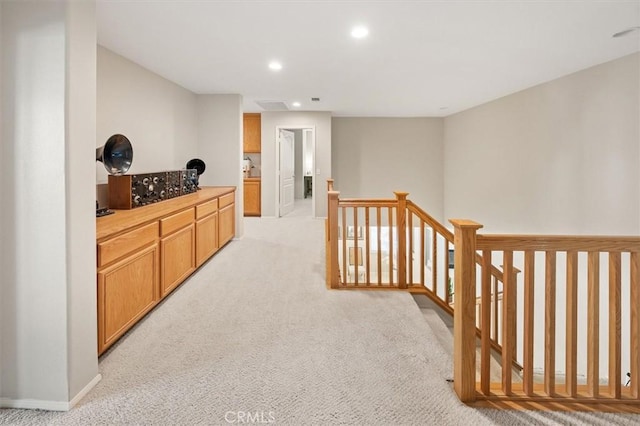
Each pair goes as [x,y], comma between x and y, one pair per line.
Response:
[464,320]
[333,274]
[401,226]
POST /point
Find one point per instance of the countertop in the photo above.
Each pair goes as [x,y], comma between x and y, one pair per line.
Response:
[121,220]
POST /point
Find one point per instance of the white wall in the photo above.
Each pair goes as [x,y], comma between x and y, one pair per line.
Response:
[80,168]
[48,315]
[220,145]
[372,157]
[322,123]
[562,157]
[559,158]
[158,116]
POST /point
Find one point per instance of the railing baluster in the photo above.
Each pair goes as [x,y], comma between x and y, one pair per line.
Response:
[356,257]
[572,324]
[422,253]
[410,253]
[390,217]
[593,324]
[634,346]
[615,370]
[367,244]
[434,261]
[345,274]
[485,323]
[447,296]
[529,321]
[550,324]
[496,312]
[508,321]
[378,220]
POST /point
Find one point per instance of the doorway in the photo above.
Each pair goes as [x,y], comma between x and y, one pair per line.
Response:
[295,165]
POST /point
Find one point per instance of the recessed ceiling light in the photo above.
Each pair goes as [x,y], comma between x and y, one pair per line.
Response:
[359,32]
[296,104]
[275,65]
[626,32]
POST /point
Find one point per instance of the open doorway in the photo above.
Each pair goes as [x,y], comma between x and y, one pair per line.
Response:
[295,165]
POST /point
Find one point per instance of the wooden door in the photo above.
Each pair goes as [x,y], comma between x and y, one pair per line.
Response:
[226,225]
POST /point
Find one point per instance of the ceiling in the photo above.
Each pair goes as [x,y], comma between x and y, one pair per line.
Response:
[421,58]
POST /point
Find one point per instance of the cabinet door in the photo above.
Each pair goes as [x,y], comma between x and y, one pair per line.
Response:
[252,198]
[178,258]
[206,238]
[126,291]
[226,228]
[252,132]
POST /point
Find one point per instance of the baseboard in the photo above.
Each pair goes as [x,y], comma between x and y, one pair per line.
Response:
[39,404]
[33,404]
[84,391]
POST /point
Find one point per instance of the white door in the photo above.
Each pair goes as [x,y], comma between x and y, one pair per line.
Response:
[287,166]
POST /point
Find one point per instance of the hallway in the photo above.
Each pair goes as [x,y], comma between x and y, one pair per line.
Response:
[256,331]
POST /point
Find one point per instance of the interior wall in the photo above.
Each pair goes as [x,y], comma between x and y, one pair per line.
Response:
[80,200]
[559,158]
[220,145]
[158,116]
[562,157]
[321,121]
[45,141]
[372,157]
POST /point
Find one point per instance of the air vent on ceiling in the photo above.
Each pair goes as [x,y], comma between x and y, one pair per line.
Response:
[273,105]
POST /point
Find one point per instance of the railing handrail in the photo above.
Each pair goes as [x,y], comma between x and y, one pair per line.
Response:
[437,226]
[557,242]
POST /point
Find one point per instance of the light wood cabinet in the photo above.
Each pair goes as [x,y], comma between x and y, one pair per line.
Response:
[178,258]
[251,123]
[251,197]
[144,254]
[226,219]
[206,238]
[126,291]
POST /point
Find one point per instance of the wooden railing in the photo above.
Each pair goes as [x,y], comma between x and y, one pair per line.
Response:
[394,244]
[586,290]
[597,280]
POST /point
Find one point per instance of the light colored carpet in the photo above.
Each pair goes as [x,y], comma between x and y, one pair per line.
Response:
[256,331]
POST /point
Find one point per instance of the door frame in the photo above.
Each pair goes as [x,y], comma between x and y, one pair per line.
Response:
[313,173]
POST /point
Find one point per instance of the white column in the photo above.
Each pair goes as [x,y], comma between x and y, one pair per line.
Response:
[48,312]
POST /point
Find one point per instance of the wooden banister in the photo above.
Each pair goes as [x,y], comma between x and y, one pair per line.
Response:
[383,243]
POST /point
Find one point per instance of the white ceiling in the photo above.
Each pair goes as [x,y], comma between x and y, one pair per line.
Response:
[422,58]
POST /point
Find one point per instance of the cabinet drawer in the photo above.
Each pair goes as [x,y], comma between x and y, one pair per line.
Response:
[225,200]
[177,221]
[206,209]
[127,243]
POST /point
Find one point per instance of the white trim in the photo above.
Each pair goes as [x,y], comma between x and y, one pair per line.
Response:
[85,391]
[39,404]
[33,404]
[312,127]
